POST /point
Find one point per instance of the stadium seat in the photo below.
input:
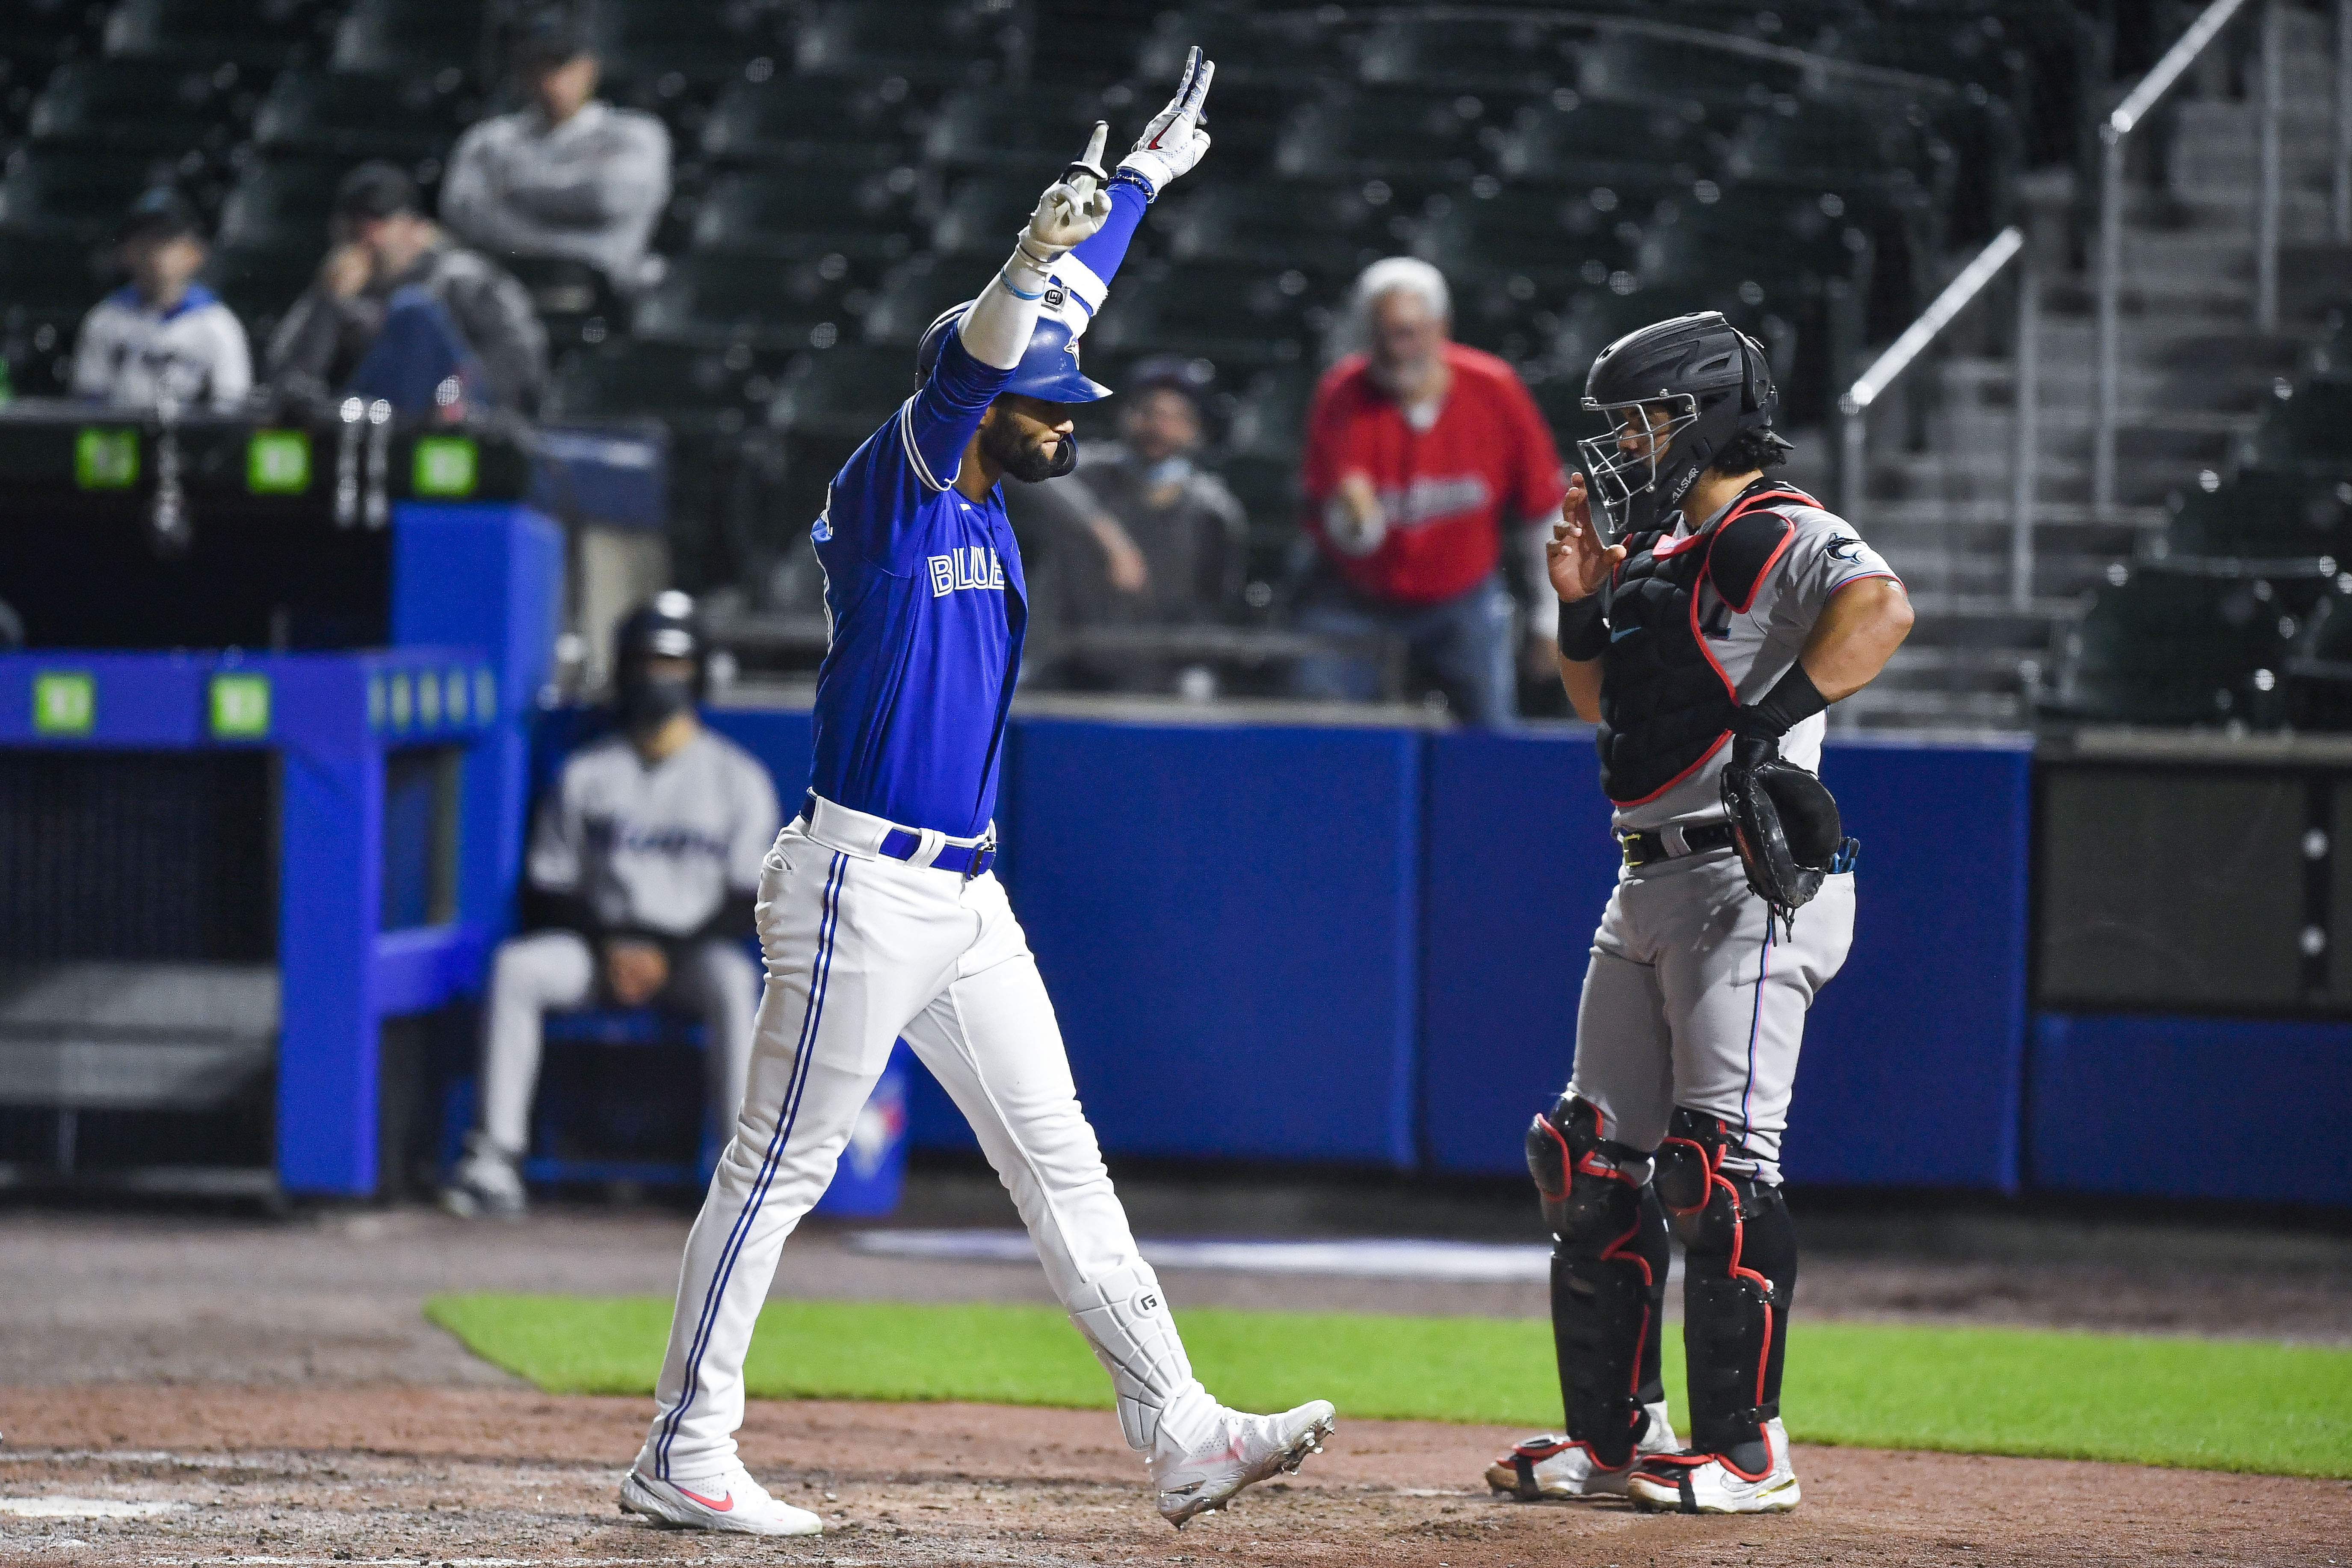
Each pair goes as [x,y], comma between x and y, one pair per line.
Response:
[844,392]
[410,36]
[1276,49]
[358,114]
[46,287]
[719,390]
[1570,138]
[1513,56]
[1555,238]
[922,41]
[805,120]
[2265,516]
[809,213]
[575,301]
[257,34]
[656,49]
[1270,414]
[1835,145]
[1622,63]
[987,210]
[1232,314]
[70,193]
[912,297]
[261,283]
[2307,428]
[2319,665]
[2164,645]
[713,300]
[1324,226]
[1394,134]
[166,109]
[984,129]
[282,203]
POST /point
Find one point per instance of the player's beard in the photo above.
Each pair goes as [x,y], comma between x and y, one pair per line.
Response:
[1027,461]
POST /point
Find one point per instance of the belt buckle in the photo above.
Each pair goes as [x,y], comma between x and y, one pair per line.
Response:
[981,851]
[1629,850]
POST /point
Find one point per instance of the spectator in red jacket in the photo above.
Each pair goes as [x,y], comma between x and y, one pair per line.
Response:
[1420,453]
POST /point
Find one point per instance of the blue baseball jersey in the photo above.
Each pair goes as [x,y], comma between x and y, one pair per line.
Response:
[924,591]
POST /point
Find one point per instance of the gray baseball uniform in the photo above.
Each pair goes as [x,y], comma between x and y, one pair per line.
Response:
[658,853]
[1692,998]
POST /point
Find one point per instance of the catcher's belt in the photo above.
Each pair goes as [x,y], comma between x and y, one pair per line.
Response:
[1650,845]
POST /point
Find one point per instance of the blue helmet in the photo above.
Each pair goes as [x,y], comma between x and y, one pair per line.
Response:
[1048,368]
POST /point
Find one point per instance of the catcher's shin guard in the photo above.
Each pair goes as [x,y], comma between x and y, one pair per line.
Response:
[1608,1278]
[1740,1281]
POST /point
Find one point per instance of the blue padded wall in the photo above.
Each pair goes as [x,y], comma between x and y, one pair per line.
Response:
[1914,1063]
[1226,918]
[1519,862]
[2257,1109]
[1914,1053]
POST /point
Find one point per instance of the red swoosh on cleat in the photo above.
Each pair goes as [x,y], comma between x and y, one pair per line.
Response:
[716,1505]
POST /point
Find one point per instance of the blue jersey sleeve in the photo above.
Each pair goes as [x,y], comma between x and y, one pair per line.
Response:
[879,495]
[1087,272]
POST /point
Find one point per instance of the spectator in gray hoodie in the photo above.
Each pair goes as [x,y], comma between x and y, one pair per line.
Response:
[569,176]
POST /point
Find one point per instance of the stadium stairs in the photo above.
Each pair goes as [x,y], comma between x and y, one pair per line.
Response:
[2193,372]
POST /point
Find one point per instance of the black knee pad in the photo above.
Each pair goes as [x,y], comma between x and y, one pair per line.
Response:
[1579,1174]
[1739,1280]
[1607,1277]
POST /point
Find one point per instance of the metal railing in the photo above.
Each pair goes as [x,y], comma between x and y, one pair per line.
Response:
[1853,409]
[2127,117]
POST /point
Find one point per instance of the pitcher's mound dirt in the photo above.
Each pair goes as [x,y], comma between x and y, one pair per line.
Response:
[474,1475]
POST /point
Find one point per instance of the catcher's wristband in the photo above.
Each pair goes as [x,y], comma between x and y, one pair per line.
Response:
[1583,635]
[1792,700]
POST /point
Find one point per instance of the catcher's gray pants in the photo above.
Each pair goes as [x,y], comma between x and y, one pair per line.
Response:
[716,980]
[1694,998]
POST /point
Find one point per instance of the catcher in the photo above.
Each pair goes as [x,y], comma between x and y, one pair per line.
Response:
[1707,644]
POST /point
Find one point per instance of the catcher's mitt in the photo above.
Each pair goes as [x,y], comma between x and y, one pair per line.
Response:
[1784,821]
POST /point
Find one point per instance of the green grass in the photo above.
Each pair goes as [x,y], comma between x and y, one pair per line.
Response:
[2226,1405]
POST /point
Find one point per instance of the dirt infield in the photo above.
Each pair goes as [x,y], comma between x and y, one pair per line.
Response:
[271,1392]
[452,1475]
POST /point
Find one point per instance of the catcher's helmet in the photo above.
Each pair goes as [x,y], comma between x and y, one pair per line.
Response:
[1714,382]
[1048,368]
[662,628]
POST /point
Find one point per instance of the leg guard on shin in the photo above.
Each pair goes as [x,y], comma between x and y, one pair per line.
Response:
[1124,1318]
[1607,1277]
[1740,1281]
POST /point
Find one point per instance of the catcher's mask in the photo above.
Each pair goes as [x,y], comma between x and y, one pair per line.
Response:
[1785,824]
[1709,380]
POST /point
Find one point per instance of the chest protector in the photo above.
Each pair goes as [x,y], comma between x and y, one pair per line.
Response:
[1665,700]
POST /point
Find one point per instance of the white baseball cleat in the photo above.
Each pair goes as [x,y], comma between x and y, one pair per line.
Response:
[1241,1449]
[1711,1483]
[730,1501]
[1548,1466]
[486,1184]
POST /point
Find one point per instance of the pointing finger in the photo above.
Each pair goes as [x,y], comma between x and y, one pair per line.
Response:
[1094,142]
[1191,70]
[1197,90]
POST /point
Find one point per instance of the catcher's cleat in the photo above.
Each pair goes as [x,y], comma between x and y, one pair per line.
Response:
[1241,1449]
[1714,1483]
[1548,1466]
[730,1501]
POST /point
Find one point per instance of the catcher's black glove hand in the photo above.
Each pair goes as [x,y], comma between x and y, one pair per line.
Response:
[1784,823]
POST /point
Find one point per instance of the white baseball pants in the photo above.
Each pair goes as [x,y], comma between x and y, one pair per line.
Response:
[556,969]
[1694,998]
[862,950]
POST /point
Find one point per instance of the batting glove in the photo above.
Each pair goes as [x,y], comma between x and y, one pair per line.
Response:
[1072,209]
[1174,141]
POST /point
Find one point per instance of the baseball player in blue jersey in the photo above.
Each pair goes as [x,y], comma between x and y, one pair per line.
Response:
[877,910]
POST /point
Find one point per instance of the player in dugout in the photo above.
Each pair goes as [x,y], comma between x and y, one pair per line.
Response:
[637,887]
[879,912]
[1707,643]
